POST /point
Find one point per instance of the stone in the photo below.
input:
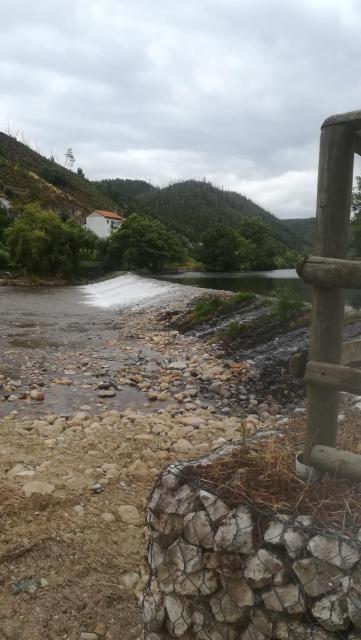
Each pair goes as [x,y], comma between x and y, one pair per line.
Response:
[130,579]
[21,470]
[177,365]
[332,613]
[295,541]
[138,468]
[79,510]
[153,610]
[239,591]
[354,607]
[108,517]
[274,533]
[170,526]
[216,508]
[252,633]
[36,394]
[183,558]
[106,393]
[88,636]
[287,599]
[199,583]
[198,529]
[192,421]
[235,532]
[38,486]
[263,621]
[317,577]
[229,564]
[182,446]
[261,568]
[179,615]
[130,515]
[225,609]
[336,551]
[180,501]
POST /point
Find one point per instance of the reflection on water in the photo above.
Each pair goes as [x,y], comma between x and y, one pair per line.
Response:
[261,282]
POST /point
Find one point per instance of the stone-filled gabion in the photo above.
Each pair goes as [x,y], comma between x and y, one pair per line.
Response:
[222,573]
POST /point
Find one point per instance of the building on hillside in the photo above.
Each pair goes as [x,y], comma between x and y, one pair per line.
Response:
[103,223]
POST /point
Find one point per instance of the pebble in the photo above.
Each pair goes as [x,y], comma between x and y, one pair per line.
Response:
[108,517]
[36,394]
[128,514]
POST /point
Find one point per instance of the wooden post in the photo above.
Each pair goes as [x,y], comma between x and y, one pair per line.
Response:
[334,190]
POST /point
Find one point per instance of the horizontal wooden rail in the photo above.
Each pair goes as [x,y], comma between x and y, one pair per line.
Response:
[333,376]
[330,273]
[339,463]
[351,353]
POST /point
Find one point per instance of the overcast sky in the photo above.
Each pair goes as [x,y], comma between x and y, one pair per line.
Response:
[164,90]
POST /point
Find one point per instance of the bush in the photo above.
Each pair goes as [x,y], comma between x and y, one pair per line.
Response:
[144,243]
[235,328]
[287,304]
[41,245]
[4,259]
[55,175]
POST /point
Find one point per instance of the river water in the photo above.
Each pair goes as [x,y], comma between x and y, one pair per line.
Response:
[261,282]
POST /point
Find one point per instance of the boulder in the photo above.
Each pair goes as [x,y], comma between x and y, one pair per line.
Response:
[183,558]
[334,550]
[317,577]
[287,599]
[225,609]
[198,529]
[153,610]
[332,613]
[178,614]
[235,532]
[261,568]
[216,508]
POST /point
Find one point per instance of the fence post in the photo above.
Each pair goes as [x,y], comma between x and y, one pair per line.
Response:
[334,190]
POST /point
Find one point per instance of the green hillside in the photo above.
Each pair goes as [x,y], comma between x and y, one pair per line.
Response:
[189,207]
[304,229]
[27,176]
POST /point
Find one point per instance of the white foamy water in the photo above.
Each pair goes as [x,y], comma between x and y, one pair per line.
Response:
[129,290]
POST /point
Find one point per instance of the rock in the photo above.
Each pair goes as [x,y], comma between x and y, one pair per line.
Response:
[199,583]
[336,551]
[21,470]
[182,446]
[252,633]
[216,508]
[239,591]
[79,418]
[79,510]
[130,515]
[138,468]
[263,621]
[108,517]
[316,576]
[183,558]
[152,396]
[153,611]
[295,541]
[178,365]
[225,609]
[198,529]
[106,393]
[235,532]
[97,487]
[88,636]
[38,486]
[179,615]
[130,579]
[331,612]
[36,394]
[261,568]
[287,599]
[192,421]
[274,534]
[180,501]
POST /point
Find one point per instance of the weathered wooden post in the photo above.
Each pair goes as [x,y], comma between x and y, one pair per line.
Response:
[334,191]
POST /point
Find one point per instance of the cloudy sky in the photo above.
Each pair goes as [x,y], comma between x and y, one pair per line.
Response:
[230,90]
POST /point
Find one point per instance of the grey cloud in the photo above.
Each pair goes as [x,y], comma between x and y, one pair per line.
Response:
[233,90]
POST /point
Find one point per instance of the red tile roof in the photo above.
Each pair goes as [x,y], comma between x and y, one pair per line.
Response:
[109,214]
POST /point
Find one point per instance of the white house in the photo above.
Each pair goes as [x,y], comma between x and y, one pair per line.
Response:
[103,223]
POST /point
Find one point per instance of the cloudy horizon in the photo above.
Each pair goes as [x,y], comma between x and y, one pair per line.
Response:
[232,91]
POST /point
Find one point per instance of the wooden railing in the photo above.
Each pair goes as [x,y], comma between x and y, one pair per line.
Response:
[330,272]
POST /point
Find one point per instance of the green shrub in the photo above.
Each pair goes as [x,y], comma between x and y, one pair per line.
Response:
[4,259]
[287,304]
[235,328]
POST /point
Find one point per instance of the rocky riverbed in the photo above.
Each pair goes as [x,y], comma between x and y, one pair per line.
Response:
[94,403]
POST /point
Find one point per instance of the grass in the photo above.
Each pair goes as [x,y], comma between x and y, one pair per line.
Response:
[233,330]
[206,309]
[288,304]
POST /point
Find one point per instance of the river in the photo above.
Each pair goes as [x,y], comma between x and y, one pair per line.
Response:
[261,282]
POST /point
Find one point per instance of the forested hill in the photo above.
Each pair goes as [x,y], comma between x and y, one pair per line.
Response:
[27,176]
[190,207]
[304,229]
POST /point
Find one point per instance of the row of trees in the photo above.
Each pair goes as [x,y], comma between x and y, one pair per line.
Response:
[39,243]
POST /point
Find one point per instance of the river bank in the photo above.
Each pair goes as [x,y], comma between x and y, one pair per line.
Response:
[95,401]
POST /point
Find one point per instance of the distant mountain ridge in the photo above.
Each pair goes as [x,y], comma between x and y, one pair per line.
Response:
[187,207]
